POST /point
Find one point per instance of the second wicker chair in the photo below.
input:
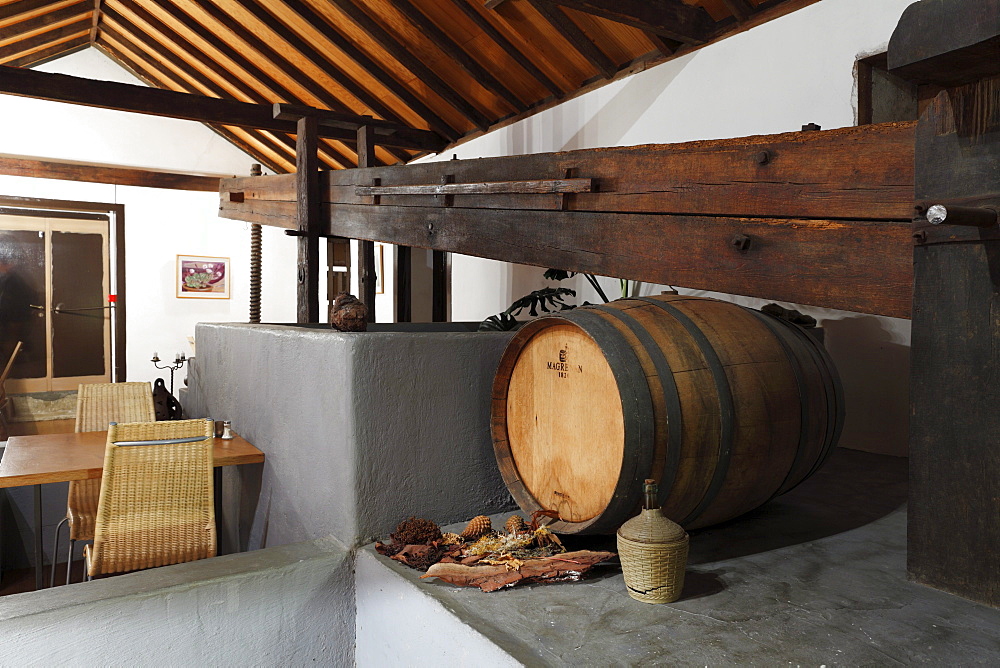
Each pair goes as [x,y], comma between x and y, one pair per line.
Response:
[97,405]
[157,501]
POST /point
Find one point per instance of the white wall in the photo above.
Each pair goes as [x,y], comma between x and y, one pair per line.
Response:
[160,224]
[774,78]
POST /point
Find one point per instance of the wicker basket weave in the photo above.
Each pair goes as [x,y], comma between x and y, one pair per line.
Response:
[653,552]
[98,404]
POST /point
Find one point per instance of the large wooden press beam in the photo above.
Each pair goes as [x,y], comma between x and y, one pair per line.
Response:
[187,106]
[819,218]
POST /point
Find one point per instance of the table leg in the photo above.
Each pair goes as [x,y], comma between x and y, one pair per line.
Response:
[39,576]
[3,499]
[222,545]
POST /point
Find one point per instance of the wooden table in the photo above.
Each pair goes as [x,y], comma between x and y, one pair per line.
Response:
[46,458]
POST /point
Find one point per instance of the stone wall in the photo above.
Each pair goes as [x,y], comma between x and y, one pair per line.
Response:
[360,430]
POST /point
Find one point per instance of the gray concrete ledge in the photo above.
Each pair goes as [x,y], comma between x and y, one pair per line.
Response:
[287,605]
[817,576]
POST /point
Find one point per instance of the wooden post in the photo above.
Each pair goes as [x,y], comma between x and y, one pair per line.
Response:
[367,276]
[954,496]
[308,218]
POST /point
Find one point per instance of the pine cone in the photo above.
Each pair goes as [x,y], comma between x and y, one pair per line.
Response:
[349,314]
[477,526]
[516,525]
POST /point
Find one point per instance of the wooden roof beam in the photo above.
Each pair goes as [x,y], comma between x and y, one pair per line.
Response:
[95,22]
[265,15]
[450,48]
[16,165]
[741,9]
[384,130]
[22,10]
[155,73]
[45,39]
[673,19]
[35,23]
[576,37]
[378,73]
[165,103]
[272,55]
[232,84]
[48,53]
[398,51]
[507,46]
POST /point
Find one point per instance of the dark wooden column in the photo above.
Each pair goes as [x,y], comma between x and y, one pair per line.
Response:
[439,286]
[308,218]
[366,249]
[954,499]
[256,244]
[404,284]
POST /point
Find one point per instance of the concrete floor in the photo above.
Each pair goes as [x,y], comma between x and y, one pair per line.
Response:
[816,577]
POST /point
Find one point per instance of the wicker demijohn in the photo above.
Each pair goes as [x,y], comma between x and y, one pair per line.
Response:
[653,552]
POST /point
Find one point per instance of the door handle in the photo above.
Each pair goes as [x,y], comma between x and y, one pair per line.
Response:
[59,309]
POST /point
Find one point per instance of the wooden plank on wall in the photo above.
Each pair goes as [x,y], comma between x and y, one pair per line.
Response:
[93,173]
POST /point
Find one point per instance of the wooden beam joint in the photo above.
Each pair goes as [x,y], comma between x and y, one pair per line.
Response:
[385,133]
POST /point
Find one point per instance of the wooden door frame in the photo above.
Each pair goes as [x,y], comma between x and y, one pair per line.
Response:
[33,206]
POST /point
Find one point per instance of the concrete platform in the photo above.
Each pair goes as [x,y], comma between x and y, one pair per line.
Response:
[284,606]
[816,577]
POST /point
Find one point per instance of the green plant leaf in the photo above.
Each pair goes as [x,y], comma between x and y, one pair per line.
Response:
[546,299]
[501,322]
[557,274]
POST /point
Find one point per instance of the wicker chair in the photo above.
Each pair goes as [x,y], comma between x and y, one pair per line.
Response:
[97,405]
[156,506]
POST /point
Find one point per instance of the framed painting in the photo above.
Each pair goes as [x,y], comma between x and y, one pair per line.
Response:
[202,277]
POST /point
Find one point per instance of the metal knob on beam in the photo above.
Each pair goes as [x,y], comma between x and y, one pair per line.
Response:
[970,216]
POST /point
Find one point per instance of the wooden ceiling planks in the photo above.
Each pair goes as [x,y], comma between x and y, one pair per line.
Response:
[127,37]
[456,67]
[23,10]
[24,28]
[240,77]
[158,74]
[43,40]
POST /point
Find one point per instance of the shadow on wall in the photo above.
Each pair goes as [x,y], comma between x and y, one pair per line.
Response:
[607,125]
[875,371]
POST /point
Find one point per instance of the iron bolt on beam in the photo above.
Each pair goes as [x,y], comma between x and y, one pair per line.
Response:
[741,242]
[970,216]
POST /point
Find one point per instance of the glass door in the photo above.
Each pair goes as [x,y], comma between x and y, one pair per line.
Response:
[54,282]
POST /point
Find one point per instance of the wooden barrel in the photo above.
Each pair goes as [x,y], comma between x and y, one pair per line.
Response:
[724,406]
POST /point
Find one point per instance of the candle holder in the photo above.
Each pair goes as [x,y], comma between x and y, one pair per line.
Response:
[178,362]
